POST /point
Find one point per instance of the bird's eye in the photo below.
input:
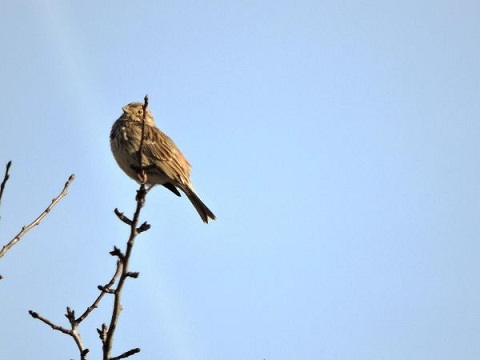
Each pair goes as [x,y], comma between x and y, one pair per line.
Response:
[140,112]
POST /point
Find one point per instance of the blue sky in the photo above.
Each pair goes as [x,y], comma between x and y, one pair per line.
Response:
[337,143]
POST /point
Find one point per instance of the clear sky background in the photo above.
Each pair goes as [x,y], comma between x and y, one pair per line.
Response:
[336,141]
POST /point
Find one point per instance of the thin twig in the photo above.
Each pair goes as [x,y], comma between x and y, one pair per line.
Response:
[73,332]
[122,217]
[142,140]
[5,179]
[103,290]
[75,322]
[37,221]
[126,354]
[36,315]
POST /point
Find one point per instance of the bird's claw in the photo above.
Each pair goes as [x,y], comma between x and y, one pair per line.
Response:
[142,177]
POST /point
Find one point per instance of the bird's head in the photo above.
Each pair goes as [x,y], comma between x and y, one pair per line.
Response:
[134,111]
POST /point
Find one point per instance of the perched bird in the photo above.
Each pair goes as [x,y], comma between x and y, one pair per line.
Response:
[163,162]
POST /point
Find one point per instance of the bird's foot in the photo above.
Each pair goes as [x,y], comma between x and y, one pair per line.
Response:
[142,177]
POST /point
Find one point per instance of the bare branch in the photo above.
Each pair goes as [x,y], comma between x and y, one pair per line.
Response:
[5,179]
[36,315]
[134,231]
[73,332]
[70,315]
[104,290]
[117,306]
[37,221]
[106,333]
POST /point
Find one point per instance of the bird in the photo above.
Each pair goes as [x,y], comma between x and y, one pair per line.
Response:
[162,161]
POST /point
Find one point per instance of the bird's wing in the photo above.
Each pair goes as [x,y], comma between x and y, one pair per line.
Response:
[165,155]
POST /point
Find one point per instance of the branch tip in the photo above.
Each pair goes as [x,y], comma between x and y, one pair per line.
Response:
[37,221]
[126,354]
[144,227]
[122,217]
[102,332]
[5,179]
[116,252]
[70,315]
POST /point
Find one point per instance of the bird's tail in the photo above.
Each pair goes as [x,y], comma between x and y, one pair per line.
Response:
[202,209]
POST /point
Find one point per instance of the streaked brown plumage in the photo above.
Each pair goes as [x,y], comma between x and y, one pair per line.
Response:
[166,165]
